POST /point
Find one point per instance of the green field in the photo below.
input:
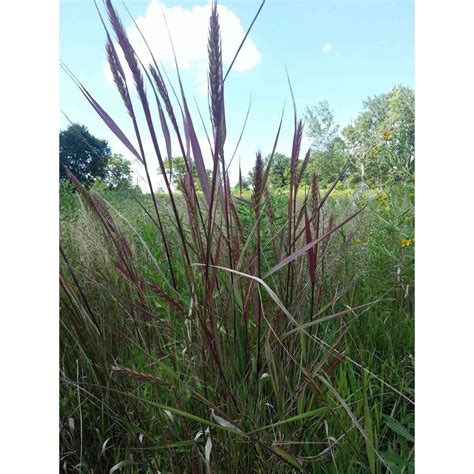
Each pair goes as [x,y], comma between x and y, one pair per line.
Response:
[216,377]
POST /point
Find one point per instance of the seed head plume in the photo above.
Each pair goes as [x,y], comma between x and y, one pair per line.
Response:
[304,164]
[167,297]
[296,146]
[216,81]
[257,183]
[163,91]
[143,376]
[118,75]
[314,202]
[127,49]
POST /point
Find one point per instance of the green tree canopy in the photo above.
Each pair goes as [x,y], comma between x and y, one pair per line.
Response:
[91,161]
[382,138]
[84,155]
[279,174]
[328,162]
[329,154]
[321,126]
[119,173]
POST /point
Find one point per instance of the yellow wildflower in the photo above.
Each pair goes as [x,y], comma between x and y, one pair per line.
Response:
[406,242]
[386,134]
[357,241]
[382,201]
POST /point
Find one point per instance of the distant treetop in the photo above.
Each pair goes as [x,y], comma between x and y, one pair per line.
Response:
[90,159]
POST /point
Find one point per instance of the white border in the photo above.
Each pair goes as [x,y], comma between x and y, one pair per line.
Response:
[444,42]
[444,236]
[29,327]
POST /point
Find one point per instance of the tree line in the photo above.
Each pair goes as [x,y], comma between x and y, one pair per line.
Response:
[378,147]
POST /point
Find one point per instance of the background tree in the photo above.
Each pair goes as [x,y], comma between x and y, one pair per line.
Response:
[119,173]
[279,173]
[178,169]
[329,153]
[382,138]
[84,155]
[321,126]
[328,162]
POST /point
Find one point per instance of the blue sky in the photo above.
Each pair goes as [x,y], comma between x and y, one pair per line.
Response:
[336,50]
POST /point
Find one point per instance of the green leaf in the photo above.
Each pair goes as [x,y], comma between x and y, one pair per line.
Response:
[398,428]
[368,425]
[308,414]
[394,459]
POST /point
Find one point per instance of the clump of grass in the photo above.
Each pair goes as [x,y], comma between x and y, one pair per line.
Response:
[206,343]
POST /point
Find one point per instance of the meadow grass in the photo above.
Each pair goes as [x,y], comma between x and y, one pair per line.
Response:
[203,331]
[374,266]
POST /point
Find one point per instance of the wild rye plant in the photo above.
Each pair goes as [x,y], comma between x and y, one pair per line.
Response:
[220,363]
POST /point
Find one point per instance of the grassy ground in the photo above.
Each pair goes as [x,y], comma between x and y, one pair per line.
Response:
[139,393]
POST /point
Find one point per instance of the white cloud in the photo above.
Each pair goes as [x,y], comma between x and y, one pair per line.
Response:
[202,79]
[327,48]
[189,30]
